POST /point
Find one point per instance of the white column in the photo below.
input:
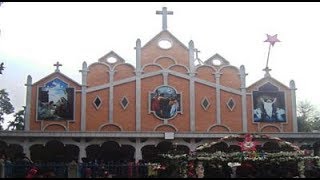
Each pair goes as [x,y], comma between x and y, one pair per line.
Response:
[165,78]
[294,106]
[111,73]
[26,148]
[84,72]
[138,153]
[243,98]
[138,85]
[192,87]
[82,152]
[28,104]
[218,101]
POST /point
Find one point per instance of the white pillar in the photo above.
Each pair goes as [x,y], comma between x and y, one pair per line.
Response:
[138,153]
[82,152]
[26,148]
[111,74]
[218,100]
[192,87]
[294,106]
[84,72]
[243,99]
[138,85]
[28,104]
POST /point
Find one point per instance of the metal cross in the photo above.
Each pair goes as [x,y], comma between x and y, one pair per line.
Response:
[164,13]
[197,58]
[57,65]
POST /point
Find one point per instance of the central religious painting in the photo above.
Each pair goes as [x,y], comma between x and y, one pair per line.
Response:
[165,102]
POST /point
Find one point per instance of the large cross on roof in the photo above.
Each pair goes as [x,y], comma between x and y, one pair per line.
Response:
[164,13]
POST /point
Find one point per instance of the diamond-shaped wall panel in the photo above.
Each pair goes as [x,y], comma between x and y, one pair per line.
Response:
[124,102]
[231,104]
[205,103]
[97,102]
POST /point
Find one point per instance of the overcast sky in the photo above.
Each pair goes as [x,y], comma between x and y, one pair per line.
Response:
[35,35]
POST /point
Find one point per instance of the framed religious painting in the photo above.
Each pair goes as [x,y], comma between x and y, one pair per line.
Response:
[269,106]
[55,101]
[165,102]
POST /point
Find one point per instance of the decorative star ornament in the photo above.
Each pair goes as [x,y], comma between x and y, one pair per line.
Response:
[272,39]
[248,144]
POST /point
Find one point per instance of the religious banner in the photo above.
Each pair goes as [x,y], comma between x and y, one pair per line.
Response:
[55,101]
[269,106]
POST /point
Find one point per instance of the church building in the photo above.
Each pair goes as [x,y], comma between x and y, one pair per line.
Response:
[131,112]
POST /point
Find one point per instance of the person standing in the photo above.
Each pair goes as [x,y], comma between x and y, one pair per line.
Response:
[267,105]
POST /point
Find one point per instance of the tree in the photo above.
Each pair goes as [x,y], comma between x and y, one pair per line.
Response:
[5,106]
[307,117]
[18,122]
[1,67]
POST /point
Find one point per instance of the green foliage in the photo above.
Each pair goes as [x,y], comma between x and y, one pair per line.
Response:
[303,125]
[5,106]
[18,122]
[308,117]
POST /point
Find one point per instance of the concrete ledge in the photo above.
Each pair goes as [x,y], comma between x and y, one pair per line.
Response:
[127,134]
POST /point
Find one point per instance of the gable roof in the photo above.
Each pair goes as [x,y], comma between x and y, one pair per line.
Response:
[166,32]
[55,73]
[267,79]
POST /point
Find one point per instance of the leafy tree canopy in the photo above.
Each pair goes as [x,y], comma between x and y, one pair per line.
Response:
[5,106]
[18,122]
[308,117]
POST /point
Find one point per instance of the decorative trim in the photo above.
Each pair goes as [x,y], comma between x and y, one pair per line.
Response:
[109,124]
[162,57]
[44,128]
[129,134]
[130,79]
[269,125]
[208,66]
[218,125]
[170,125]
[228,66]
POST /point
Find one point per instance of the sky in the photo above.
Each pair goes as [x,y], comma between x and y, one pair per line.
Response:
[34,36]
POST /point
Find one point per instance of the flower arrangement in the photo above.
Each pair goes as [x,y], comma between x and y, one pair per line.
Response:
[248,153]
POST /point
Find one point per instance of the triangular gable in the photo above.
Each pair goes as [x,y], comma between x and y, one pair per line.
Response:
[112,54]
[222,61]
[265,80]
[166,32]
[55,73]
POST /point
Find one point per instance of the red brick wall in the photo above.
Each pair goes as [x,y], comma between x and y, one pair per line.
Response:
[125,118]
